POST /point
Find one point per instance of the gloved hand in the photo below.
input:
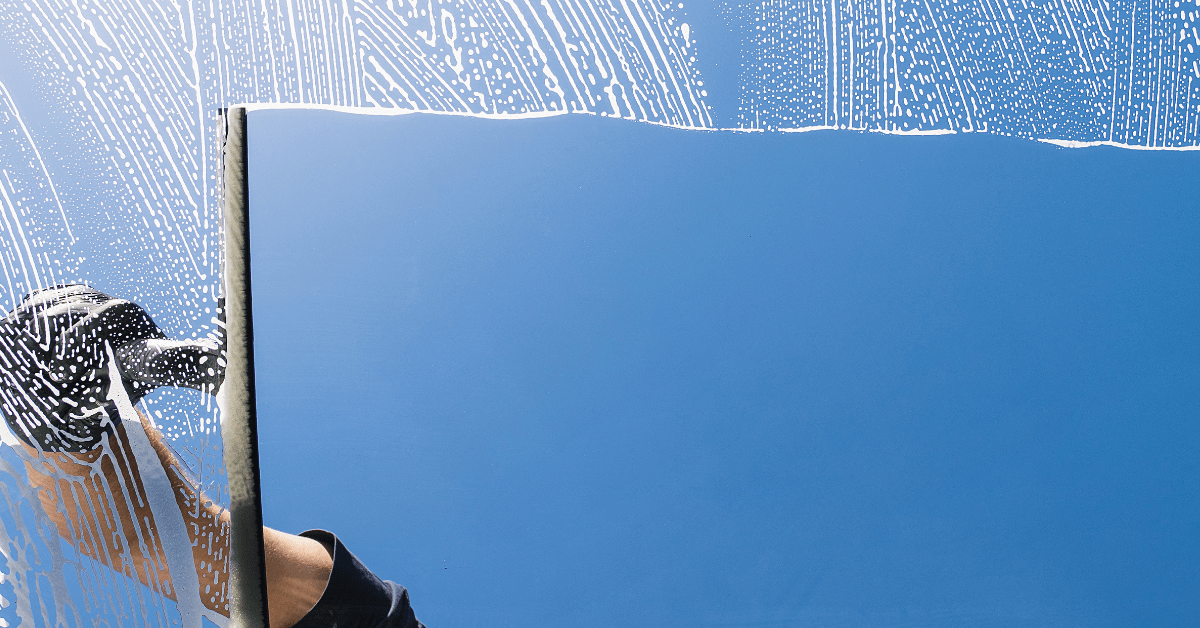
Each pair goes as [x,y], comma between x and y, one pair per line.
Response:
[54,363]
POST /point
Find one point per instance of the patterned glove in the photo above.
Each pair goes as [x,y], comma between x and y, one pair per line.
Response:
[54,363]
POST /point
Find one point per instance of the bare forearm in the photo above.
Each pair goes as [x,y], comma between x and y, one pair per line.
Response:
[297,567]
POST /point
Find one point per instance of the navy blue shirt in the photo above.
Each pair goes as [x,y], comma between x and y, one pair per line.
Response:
[355,597]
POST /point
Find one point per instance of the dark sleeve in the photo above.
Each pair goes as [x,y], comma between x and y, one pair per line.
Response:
[355,597]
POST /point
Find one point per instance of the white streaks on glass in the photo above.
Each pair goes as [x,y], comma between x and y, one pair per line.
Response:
[110,146]
[110,114]
[33,225]
[1078,73]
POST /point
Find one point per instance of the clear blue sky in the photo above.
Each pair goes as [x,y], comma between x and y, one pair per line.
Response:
[575,372]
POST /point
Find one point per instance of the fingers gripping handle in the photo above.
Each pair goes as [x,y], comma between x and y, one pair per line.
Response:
[54,365]
[158,362]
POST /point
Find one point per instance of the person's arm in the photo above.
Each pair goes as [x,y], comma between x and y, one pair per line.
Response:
[97,501]
[298,570]
[85,495]
[53,393]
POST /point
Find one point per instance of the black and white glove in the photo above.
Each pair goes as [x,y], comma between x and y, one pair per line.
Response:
[54,364]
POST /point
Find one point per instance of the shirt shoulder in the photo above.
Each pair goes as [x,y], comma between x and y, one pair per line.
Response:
[355,597]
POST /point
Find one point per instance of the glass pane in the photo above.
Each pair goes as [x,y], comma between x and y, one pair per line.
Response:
[569,369]
[110,194]
[112,460]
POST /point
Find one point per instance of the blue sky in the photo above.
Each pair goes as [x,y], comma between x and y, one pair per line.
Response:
[559,371]
[572,371]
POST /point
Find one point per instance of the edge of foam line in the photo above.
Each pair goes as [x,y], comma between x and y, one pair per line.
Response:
[1082,144]
[389,111]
